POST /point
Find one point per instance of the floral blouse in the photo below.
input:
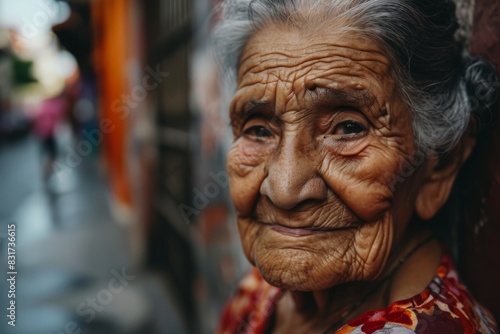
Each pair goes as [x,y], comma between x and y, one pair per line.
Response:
[445,306]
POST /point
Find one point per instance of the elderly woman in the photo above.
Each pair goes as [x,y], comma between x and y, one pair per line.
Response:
[351,120]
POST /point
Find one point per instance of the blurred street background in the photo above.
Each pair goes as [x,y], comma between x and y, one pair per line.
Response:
[112,168]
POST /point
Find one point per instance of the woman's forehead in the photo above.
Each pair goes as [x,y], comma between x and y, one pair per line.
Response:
[329,59]
[286,61]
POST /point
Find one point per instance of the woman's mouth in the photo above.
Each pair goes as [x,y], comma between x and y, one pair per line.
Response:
[303,232]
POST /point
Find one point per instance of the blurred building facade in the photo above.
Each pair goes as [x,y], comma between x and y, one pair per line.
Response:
[158,85]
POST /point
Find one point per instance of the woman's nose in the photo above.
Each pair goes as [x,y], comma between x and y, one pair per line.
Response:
[292,177]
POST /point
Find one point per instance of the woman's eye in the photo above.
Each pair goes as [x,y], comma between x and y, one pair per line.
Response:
[258,132]
[349,128]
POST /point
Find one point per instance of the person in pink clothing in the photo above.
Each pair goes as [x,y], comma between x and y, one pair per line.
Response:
[351,120]
[48,116]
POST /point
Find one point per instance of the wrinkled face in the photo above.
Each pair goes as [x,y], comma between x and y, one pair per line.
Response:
[321,135]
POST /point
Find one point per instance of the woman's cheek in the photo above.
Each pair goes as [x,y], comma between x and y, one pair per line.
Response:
[246,169]
[249,235]
[361,182]
[245,154]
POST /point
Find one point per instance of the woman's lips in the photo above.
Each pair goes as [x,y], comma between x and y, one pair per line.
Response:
[295,232]
[304,232]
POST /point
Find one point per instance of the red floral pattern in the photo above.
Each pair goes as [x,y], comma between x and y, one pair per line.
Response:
[445,306]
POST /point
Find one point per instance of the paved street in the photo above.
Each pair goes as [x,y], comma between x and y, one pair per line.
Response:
[68,251]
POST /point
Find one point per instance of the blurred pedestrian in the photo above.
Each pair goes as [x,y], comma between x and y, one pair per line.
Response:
[48,116]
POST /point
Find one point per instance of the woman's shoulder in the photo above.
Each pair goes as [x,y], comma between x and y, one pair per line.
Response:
[445,306]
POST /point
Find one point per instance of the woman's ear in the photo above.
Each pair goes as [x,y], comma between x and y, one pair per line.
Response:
[437,185]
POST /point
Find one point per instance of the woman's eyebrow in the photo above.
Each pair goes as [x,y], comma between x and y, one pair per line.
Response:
[252,107]
[319,97]
[328,97]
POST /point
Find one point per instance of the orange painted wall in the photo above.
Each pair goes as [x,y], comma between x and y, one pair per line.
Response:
[111,29]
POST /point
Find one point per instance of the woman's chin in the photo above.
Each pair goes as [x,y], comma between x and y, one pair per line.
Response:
[297,270]
[303,263]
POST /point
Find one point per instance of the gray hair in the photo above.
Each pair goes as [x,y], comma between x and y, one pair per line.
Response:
[442,85]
